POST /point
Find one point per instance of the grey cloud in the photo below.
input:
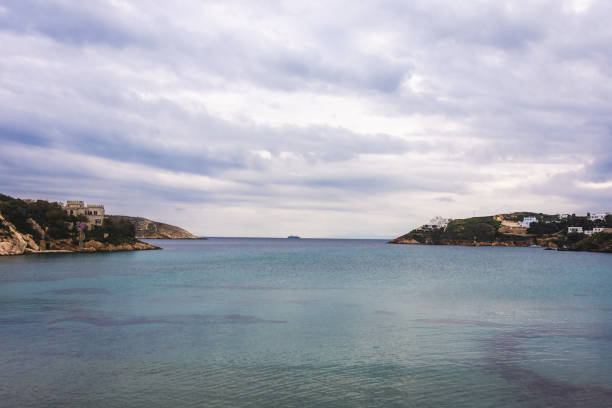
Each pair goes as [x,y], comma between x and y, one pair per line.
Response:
[92,22]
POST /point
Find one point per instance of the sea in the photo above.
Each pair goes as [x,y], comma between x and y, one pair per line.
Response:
[239,322]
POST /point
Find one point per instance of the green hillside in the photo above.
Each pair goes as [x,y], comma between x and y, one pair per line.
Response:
[549,230]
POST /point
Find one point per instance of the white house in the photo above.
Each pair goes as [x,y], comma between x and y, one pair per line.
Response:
[588,232]
[598,230]
[441,222]
[571,230]
[436,223]
[595,217]
[526,223]
[563,216]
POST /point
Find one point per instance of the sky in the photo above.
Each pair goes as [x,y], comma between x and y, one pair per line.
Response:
[327,118]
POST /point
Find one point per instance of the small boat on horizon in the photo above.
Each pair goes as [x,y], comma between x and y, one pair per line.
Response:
[293,237]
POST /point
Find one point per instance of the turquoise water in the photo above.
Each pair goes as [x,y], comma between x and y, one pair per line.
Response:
[277,322]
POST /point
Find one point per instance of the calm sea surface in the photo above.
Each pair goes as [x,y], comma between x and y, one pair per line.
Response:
[279,322]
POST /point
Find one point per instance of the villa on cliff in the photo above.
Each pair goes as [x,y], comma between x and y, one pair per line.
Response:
[93,212]
[600,216]
[436,223]
[527,221]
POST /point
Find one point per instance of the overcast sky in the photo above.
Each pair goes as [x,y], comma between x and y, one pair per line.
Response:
[317,118]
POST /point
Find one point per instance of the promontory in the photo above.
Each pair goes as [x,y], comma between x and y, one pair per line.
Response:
[39,226]
[571,232]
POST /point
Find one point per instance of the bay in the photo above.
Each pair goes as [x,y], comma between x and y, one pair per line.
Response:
[307,322]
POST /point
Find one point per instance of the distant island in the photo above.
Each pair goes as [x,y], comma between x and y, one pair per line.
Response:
[293,237]
[591,232]
[38,226]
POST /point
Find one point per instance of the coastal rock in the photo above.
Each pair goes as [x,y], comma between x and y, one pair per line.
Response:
[546,242]
[62,245]
[404,241]
[31,244]
[97,246]
[37,228]
[11,241]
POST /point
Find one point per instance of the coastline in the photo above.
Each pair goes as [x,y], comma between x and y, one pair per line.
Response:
[590,233]
[398,241]
[90,247]
[175,239]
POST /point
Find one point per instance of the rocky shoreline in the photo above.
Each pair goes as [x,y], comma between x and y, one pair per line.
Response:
[542,242]
[12,242]
[512,230]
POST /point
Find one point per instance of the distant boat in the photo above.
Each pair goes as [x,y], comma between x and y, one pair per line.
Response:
[293,237]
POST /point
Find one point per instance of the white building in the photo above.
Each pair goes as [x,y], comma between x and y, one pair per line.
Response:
[598,230]
[93,212]
[587,232]
[436,223]
[600,216]
[441,222]
[577,230]
[563,216]
[527,221]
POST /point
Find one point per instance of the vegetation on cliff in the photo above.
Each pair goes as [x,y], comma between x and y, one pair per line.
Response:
[50,216]
[503,230]
[476,229]
[56,224]
[24,223]
[147,229]
[601,242]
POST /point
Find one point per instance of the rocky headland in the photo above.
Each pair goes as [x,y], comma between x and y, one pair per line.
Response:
[147,229]
[13,242]
[510,230]
[30,227]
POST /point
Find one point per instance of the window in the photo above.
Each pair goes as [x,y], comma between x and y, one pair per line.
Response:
[95,213]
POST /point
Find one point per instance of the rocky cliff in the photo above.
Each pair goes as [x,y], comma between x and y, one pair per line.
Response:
[13,242]
[147,229]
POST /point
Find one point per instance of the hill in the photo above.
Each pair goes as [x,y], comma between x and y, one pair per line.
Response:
[147,229]
[504,230]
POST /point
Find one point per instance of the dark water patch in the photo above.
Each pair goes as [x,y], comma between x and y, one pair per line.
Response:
[252,287]
[301,302]
[588,332]
[108,321]
[78,291]
[233,318]
[463,322]
[104,320]
[385,313]
[347,304]
[506,356]
[26,306]
[18,320]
